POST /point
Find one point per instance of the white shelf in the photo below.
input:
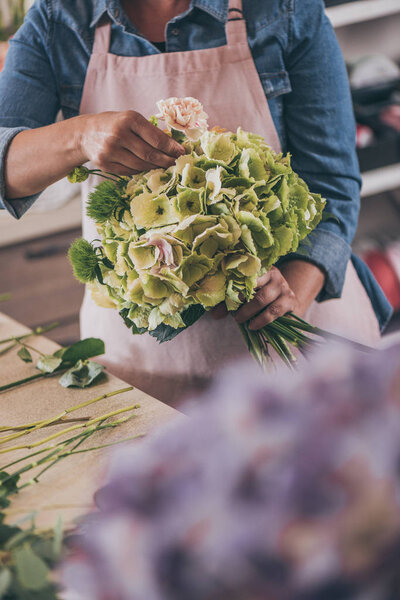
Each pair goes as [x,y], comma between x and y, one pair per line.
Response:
[362,10]
[381,180]
[38,224]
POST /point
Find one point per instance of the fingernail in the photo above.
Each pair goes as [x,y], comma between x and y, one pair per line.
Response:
[180,150]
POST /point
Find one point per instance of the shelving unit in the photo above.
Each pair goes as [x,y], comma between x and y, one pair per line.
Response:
[353,22]
[361,11]
[381,180]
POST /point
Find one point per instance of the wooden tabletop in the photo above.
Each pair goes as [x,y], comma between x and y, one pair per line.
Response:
[67,488]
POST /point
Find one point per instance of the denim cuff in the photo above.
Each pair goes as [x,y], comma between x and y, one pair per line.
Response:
[329,252]
[18,206]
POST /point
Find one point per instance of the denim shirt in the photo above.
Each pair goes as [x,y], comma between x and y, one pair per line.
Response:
[301,70]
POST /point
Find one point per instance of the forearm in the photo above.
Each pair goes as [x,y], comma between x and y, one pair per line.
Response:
[39,157]
[305,279]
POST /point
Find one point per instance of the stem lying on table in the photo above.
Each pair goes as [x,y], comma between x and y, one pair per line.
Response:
[13,384]
[59,446]
[87,425]
[37,331]
[26,429]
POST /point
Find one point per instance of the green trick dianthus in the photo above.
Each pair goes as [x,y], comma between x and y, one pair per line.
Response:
[84,260]
[103,201]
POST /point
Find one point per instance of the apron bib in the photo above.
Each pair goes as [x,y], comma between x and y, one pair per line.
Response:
[226,82]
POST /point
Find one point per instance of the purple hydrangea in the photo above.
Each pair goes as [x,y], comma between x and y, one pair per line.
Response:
[276,487]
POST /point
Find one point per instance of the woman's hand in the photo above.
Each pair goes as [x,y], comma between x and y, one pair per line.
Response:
[125,143]
[291,288]
[273,298]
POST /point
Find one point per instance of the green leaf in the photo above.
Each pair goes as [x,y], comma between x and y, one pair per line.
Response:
[25,355]
[49,363]
[81,375]
[83,350]
[6,533]
[5,581]
[78,175]
[31,570]
[8,486]
[165,333]
[130,324]
[58,537]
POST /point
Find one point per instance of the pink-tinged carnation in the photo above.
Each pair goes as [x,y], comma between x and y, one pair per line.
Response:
[184,114]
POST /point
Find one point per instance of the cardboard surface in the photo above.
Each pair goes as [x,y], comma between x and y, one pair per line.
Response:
[68,487]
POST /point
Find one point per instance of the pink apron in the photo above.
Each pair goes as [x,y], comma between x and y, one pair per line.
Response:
[226,82]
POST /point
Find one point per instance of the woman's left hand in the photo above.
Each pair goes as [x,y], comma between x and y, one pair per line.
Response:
[273,298]
[291,288]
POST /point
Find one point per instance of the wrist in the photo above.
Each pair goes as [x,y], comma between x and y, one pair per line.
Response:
[81,125]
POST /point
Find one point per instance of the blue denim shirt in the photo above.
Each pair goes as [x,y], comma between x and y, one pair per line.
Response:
[300,67]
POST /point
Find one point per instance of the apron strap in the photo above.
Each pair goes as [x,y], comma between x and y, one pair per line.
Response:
[102,37]
[236,32]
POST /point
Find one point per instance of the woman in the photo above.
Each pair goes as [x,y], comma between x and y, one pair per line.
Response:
[271,66]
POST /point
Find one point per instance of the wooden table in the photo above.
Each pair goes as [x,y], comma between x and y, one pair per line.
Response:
[68,487]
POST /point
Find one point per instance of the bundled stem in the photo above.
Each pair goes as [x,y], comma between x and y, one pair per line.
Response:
[285,332]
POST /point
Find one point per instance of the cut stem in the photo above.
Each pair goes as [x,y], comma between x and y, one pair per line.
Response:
[89,424]
[45,423]
[37,331]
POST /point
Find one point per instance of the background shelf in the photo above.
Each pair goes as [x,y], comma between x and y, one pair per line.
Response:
[381,180]
[361,11]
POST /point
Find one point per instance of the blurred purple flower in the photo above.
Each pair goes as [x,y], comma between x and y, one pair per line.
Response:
[277,487]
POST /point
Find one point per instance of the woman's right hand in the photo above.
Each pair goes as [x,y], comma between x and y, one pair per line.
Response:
[125,143]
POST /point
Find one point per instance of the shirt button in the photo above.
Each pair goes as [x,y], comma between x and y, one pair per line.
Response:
[175,31]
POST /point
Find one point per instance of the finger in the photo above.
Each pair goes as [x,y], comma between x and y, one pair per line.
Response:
[219,312]
[265,296]
[120,155]
[118,169]
[149,154]
[155,137]
[264,279]
[280,307]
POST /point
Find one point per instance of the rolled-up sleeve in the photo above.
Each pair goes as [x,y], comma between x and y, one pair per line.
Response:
[320,130]
[28,92]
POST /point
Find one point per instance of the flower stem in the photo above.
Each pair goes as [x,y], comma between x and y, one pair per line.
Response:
[88,425]
[37,331]
[14,384]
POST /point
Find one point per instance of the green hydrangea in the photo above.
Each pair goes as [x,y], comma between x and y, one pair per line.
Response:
[200,232]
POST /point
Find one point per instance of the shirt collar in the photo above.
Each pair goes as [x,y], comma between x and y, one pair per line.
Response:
[216,8]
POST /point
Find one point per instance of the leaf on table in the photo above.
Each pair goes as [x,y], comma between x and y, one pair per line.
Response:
[25,355]
[31,570]
[81,375]
[6,533]
[8,486]
[83,350]
[58,537]
[49,363]
[5,581]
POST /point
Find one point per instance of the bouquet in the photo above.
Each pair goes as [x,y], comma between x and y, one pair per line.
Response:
[177,242]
